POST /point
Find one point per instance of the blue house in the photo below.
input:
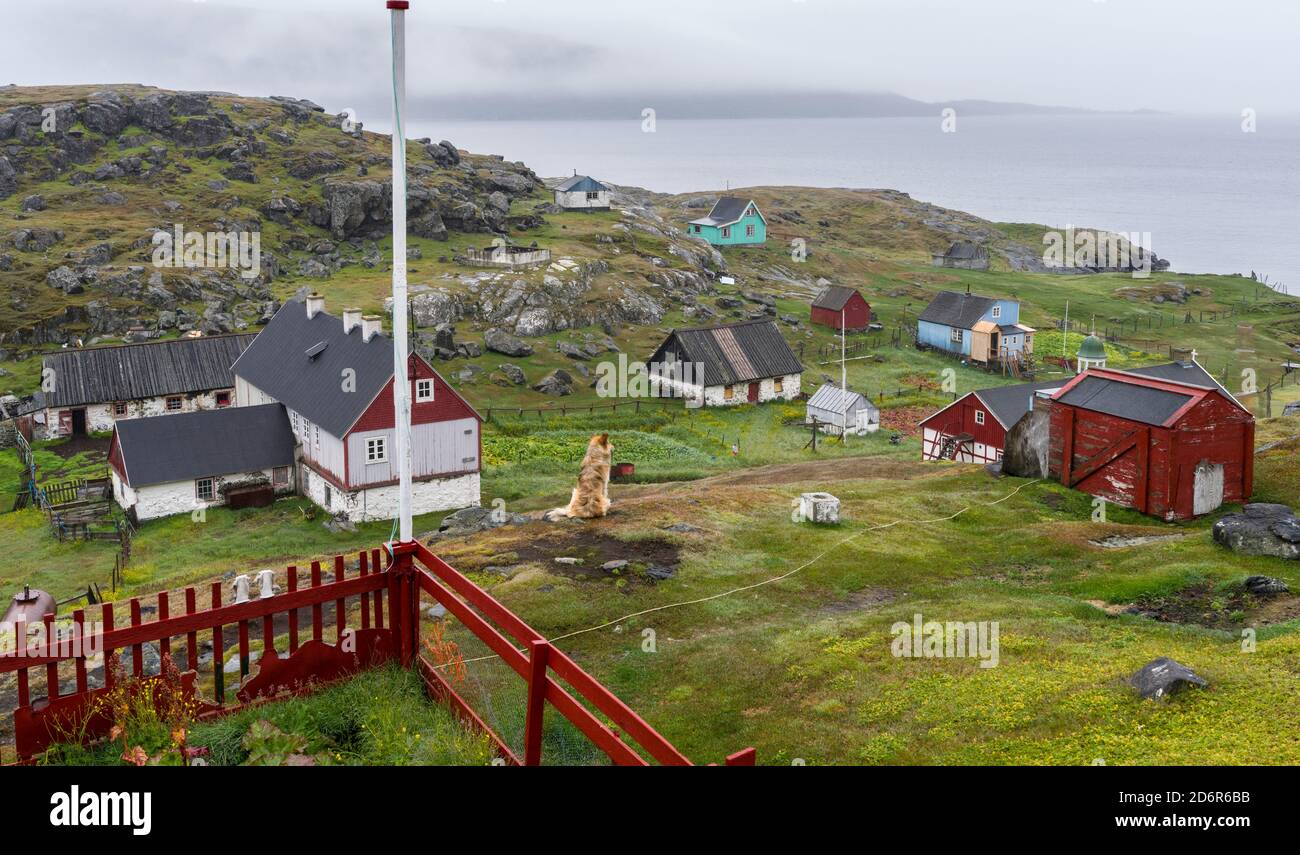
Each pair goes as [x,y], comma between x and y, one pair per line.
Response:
[982,329]
[732,222]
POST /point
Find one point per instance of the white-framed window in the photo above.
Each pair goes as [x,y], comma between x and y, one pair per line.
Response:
[726,231]
[979,417]
[119,408]
[956,335]
[997,312]
[592,195]
[423,390]
[377,450]
[750,230]
[204,490]
[697,229]
[174,404]
[315,437]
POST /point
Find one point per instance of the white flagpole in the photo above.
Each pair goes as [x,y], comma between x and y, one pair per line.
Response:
[844,385]
[401,382]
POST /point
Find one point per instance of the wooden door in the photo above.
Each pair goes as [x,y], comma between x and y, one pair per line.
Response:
[1207,489]
[753,392]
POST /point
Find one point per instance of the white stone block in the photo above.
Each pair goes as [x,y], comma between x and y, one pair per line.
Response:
[819,508]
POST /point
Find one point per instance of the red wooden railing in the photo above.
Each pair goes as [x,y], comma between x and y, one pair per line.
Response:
[384,634]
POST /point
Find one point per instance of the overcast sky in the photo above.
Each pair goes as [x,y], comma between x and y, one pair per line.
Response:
[1179,55]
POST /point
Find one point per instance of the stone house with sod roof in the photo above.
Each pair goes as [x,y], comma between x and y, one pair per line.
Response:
[837,302]
[91,389]
[198,460]
[335,377]
[732,222]
[982,329]
[582,193]
[719,366]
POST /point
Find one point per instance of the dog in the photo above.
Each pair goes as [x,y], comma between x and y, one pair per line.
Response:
[590,498]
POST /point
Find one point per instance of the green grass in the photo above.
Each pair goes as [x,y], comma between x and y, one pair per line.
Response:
[379,718]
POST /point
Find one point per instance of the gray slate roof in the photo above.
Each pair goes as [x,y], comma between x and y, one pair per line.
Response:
[955,309]
[204,444]
[1192,374]
[1125,400]
[834,297]
[582,184]
[97,375]
[736,353]
[727,210]
[1009,404]
[277,363]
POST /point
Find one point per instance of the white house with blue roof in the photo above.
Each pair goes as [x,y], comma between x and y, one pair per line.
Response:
[582,193]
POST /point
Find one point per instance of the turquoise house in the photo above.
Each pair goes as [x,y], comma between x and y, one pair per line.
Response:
[732,222]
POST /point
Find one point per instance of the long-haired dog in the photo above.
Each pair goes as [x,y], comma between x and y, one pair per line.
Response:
[591,497]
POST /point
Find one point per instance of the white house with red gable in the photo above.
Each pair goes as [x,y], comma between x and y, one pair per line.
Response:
[334,377]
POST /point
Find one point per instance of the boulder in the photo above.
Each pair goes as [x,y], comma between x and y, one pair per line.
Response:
[513,373]
[65,279]
[34,202]
[1265,586]
[470,520]
[1162,677]
[500,341]
[558,383]
[1261,529]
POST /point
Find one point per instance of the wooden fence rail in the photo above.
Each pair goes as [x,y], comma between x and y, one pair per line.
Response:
[386,628]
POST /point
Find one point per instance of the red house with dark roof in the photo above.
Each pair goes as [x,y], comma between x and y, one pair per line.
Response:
[1175,450]
[837,302]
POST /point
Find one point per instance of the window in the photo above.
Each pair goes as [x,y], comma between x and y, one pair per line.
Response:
[315,437]
[592,195]
[423,390]
[697,229]
[956,335]
[174,404]
[280,476]
[997,312]
[119,409]
[728,393]
[377,450]
[726,231]
[777,386]
[749,230]
[203,489]
[979,417]
[223,399]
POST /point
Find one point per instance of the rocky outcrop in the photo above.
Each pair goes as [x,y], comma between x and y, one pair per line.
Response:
[500,341]
[1261,529]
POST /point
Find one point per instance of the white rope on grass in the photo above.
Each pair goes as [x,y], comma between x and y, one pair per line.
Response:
[783,576]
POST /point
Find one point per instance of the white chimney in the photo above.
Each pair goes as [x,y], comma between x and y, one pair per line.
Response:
[371,325]
[315,305]
[351,320]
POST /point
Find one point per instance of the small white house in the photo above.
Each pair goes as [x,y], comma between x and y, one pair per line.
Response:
[582,193]
[719,366]
[194,461]
[837,408]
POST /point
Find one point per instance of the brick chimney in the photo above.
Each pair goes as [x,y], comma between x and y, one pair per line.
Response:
[315,305]
[371,325]
[351,320]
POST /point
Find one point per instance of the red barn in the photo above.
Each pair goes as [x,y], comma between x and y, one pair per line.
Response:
[1171,449]
[973,429]
[835,302]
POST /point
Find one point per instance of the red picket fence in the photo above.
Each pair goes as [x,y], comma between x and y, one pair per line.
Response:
[389,600]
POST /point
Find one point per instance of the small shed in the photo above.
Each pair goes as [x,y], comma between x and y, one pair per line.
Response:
[582,193]
[836,303]
[1173,450]
[964,255]
[835,407]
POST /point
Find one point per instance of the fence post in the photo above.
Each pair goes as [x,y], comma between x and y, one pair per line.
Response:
[537,653]
[403,601]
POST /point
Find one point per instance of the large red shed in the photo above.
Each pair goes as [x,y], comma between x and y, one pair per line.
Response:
[1170,449]
[836,302]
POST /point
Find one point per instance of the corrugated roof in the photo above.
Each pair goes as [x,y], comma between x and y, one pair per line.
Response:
[277,363]
[954,309]
[128,372]
[1127,400]
[834,297]
[836,400]
[736,353]
[582,184]
[204,444]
